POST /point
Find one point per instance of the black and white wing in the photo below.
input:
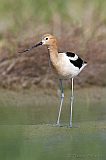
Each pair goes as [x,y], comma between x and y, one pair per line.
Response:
[75,60]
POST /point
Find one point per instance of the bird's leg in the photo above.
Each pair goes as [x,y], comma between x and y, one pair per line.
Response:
[61,102]
[71,103]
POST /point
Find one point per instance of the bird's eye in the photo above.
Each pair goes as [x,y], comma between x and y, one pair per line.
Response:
[46,38]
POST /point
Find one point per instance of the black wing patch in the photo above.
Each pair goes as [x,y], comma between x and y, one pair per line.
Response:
[70,54]
[77,63]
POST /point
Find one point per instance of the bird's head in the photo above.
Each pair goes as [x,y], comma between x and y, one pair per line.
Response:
[47,39]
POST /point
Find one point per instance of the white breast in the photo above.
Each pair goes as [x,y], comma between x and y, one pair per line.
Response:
[65,67]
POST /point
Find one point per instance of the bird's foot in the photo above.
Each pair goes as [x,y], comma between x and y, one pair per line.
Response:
[70,125]
[58,124]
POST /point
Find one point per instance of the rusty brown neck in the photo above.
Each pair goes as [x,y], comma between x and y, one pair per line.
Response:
[53,51]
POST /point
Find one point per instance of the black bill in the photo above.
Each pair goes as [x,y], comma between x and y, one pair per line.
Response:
[36,45]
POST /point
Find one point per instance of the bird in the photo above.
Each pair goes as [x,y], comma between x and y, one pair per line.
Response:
[66,65]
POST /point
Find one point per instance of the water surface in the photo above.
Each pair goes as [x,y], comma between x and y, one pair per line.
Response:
[28,130]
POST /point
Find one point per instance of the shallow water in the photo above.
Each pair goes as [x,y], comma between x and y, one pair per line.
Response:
[28,130]
[38,107]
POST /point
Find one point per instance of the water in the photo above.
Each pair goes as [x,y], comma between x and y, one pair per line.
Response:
[28,130]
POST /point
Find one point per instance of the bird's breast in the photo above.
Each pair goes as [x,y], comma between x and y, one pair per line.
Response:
[62,69]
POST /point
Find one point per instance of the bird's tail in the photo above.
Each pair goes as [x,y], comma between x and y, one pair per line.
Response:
[83,66]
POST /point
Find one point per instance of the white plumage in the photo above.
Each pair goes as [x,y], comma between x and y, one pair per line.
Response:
[66,68]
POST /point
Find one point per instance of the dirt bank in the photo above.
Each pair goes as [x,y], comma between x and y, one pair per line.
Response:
[26,70]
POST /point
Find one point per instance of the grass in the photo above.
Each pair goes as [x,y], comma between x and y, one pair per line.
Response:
[23,14]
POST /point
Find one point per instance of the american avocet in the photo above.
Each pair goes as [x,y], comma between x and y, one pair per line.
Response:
[66,65]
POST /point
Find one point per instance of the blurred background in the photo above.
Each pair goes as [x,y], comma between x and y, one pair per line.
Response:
[29,95]
[80,26]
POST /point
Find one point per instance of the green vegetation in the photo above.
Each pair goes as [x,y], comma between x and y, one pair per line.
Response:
[79,25]
[20,15]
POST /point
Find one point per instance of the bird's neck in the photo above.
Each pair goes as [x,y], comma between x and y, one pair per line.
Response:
[53,51]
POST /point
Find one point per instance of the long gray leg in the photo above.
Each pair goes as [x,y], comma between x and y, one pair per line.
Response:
[61,102]
[71,103]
